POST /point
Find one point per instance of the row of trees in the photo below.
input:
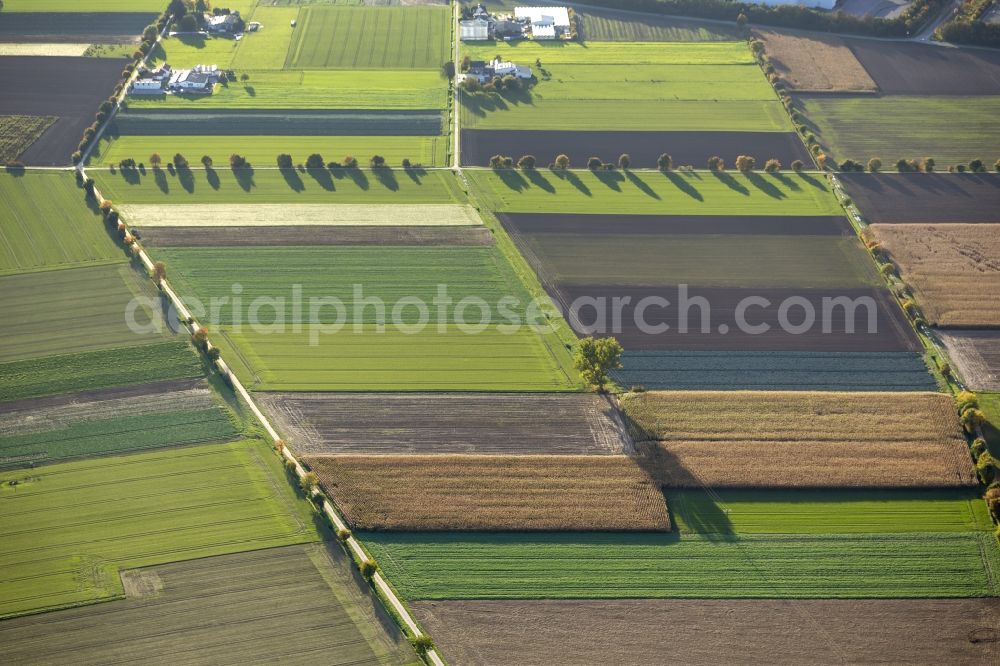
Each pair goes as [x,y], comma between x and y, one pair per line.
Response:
[925,165]
[744,163]
[316,161]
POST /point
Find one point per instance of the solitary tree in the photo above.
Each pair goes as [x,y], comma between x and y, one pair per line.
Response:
[377,162]
[715,163]
[562,161]
[745,163]
[496,161]
[772,166]
[594,163]
[315,161]
[350,162]
[159,272]
[238,161]
[188,23]
[507,162]
[527,162]
[594,359]
[285,161]
[155,160]
[309,482]
[977,166]
[180,161]
[244,77]
[624,161]
[664,162]
[466,63]
[874,164]
[206,160]
[448,69]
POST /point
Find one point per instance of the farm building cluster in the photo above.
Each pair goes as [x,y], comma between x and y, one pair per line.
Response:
[541,23]
[485,72]
[199,80]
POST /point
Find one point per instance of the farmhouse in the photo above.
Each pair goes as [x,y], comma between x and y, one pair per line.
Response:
[199,80]
[484,72]
[473,30]
[224,23]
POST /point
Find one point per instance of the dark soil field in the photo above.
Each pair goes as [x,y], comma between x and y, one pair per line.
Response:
[976,357]
[644,148]
[892,332]
[645,631]
[912,198]
[536,223]
[117,393]
[70,88]
[73,26]
[921,69]
[313,235]
[447,423]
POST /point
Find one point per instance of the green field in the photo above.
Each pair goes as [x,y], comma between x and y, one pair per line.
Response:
[186,52]
[600,27]
[650,192]
[360,186]
[267,48]
[952,130]
[19,132]
[371,38]
[316,89]
[75,310]
[604,565]
[263,150]
[612,53]
[85,371]
[92,6]
[68,528]
[45,223]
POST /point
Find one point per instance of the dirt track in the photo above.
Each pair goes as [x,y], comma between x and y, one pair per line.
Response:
[901,198]
[713,632]
[313,235]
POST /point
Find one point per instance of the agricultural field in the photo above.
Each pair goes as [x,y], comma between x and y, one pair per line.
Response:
[951,130]
[93,6]
[975,355]
[350,234]
[371,37]
[71,25]
[542,632]
[903,198]
[595,25]
[88,371]
[815,63]
[941,263]
[922,69]
[395,218]
[415,423]
[77,310]
[775,371]
[144,417]
[263,151]
[162,615]
[316,89]
[49,205]
[612,53]
[676,192]
[43,49]
[66,537]
[19,132]
[594,565]
[474,492]
[276,123]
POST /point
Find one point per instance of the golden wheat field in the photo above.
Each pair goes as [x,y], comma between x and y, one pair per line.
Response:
[816,63]
[954,269]
[471,492]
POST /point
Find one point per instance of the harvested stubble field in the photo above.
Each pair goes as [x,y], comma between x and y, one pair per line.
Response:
[623,224]
[275,127]
[45,224]
[591,565]
[475,492]
[923,69]
[68,49]
[19,132]
[708,632]
[612,53]
[370,38]
[66,532]
[252,186]
[952,130]
[679,193]
[78,425]
[775,371]
[815,63]
[476,423]
[308,215]
[274,236]
[86,371]
[316,89]
[163,615]
[976,357]
[954,269]
[76,310]
[919,198]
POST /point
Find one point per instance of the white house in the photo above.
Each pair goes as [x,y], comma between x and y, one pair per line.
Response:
[477,29]
[147,87]
[557,17]
[223,22]
[501,68]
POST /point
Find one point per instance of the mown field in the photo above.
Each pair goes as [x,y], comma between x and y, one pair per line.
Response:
[940,262]
[86,371]
[349,186]
[82,425]
[163,616]
[65,535]
[612,53]
[388,216]
[264,150]
[75,310]
[371,37]
[208,122]
[45,224]
[19,132]
[952,130]
[316,89]
[680,193]
[605,565]
[598,26]
[473,492]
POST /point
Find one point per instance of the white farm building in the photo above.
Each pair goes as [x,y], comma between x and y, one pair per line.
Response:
[557,17]
[477,29]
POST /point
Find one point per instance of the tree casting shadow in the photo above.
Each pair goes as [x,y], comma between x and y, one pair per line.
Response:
[641,184]
[683,185]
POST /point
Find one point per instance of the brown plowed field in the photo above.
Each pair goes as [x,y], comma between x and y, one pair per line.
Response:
[624,224]
[389,423]
[910,198]
[815,63]
[954,269]
[463,492]
[313,235]
[79,27]
[692,148]
[119,393]
[891,330]
[69,88]
[922,69]
[976,357]
[962,632]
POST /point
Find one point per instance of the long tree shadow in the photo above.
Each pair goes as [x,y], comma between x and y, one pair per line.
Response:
[415,172]
[683,185]
[539,181]
[212,177]
[641,184]
[613,179]
[322,177]
[786,181]
[386,177]
[762,184]
[358,176]
[818,184]
[131,175]
[292,178]
[161,180]
[512,179]
[573,179]
[244,177]
[186,179]
[730,182]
